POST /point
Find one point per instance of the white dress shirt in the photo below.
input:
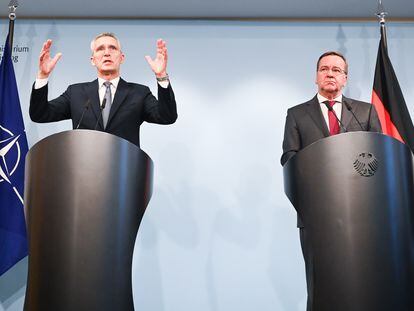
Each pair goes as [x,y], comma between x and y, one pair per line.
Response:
[39,83]
[102,88]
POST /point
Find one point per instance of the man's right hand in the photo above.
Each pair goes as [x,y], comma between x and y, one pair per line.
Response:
[46,63]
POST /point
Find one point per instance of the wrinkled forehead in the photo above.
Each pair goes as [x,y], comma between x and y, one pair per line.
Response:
[105,41]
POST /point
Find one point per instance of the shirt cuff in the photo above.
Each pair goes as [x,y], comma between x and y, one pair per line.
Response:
[39,83]
[164,84]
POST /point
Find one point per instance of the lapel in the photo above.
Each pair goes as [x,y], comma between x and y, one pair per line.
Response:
[315,112]
[346,115]
[93,95]
[120,95]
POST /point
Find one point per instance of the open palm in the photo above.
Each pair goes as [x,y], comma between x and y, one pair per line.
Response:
[46,63]
[159,63]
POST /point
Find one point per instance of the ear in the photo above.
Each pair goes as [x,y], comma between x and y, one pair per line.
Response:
[122,57]
[346,81]
[92,61]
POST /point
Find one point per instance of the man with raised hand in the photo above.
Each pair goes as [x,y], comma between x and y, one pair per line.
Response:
[108,103]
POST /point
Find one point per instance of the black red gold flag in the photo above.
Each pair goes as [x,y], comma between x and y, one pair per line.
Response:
[388,98]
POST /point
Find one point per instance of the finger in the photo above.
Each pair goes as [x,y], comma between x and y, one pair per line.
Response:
[149,60]
[160,44]
[42,55]
[45,48]
[47,44]
[163,45]
[56,59]
[162,50]
[53,61]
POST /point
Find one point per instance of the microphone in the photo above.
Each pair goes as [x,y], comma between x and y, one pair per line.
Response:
[348,106]
[87,104]
[103,104]
[339,121]
[100,114]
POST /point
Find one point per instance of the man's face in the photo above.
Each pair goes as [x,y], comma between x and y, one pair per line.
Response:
[331,77]
[107,56]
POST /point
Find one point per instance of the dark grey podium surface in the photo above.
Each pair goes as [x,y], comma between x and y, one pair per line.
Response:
[355,195]
[85,195]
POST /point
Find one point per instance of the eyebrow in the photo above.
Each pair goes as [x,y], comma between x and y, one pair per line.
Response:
[325,66]
[333,67]
[99,47]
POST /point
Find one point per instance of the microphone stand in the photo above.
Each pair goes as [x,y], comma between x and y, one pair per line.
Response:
[100,114]
[348,106]
[83,113]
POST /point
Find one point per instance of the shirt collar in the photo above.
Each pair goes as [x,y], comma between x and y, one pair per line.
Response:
[322,99]
[113,81]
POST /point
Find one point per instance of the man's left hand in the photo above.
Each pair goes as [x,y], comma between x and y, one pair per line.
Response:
[159,63]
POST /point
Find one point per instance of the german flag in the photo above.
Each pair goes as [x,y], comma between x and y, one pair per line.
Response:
[389,100]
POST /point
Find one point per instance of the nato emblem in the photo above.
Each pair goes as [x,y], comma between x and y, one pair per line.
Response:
[10,155]
[366,164]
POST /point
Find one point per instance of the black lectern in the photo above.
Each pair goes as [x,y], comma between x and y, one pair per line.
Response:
[355,195]
[85,195]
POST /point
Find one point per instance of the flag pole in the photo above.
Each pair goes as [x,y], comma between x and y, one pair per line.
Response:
[12,16]
[381,17]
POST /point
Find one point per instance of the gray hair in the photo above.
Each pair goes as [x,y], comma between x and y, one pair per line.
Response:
[104,34]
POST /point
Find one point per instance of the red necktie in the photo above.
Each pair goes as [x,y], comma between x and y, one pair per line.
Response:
[333,122]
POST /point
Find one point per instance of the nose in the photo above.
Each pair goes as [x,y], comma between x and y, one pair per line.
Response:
[107,50]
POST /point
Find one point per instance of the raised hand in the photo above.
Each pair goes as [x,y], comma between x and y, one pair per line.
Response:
[46,63]
[159,63]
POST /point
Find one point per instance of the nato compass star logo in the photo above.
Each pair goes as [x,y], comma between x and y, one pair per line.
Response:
[9,158]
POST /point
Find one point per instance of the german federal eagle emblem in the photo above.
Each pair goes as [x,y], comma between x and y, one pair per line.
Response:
[366,164]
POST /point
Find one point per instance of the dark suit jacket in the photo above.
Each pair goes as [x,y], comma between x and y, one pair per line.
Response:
[132,105]
[305,124]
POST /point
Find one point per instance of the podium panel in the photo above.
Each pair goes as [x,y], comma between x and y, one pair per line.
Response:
[355,195]
[85,195]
